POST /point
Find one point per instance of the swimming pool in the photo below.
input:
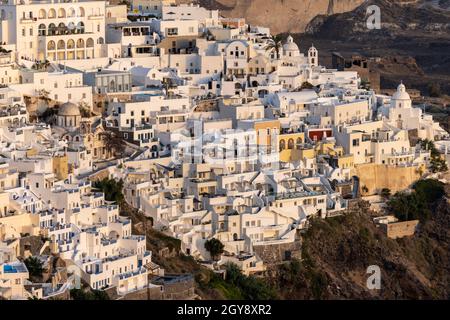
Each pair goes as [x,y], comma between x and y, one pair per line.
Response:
[9,269]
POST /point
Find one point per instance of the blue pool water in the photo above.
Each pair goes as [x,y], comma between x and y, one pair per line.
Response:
[9,269]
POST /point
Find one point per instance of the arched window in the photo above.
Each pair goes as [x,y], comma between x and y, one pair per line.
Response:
[51,45]
[51,29]
[299,142]
[291,144]
[100,40]
[61,45]
[82,12]
[80,27]
[62,28]
[42,14]
[51,14]
[80,43]
[61,13]
[90,43]
[72,13]
[42,29]
[71,28]
[70,44]
[282,145]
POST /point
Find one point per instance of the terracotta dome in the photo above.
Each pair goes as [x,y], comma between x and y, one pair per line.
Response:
[69,109]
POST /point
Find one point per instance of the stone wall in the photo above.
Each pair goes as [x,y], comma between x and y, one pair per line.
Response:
[376,177]
[182,288]
[154,293]
[400,229]
[179,290]
[275,254]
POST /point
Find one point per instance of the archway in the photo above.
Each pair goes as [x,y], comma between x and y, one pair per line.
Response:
[42,14]
[291,144]
[282,145]
[51,45]
[42,29]
[61,13]
[51,14]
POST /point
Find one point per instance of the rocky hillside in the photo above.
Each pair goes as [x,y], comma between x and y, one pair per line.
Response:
[335,255]
[397,19]
[337,252]
[296,14]
[412,44]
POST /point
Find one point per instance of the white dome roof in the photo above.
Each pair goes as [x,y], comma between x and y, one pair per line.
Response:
[401,93]
[290,45]
[69,109]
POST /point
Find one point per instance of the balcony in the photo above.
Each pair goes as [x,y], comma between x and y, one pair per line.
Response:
[96,16]
[27,20]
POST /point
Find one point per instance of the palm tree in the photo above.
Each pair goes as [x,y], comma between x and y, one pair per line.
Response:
[44,95]
[275,44]
[113,142]
[34,266]
[84,109]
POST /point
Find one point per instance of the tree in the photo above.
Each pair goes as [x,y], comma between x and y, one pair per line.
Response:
[419,204]
[251,288]
[34,266]
[84,109]
[80,294]
[306,85]
[112,189]
[275,44]
[434,90]
[214,247]
[113,142]
[385,193]
[48,115]
[437,163]
[429,190]
[44,95]
[41,65]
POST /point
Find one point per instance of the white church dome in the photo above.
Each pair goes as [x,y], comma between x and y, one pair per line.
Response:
[401,93]
[290,45]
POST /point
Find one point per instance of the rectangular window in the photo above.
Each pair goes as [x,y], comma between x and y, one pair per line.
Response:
[172,31]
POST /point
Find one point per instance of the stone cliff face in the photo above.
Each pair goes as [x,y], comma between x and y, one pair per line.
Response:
[337,252]
[413,41]
[397,18]
[280,15]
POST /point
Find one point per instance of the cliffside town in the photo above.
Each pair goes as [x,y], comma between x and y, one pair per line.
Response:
[162,151]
